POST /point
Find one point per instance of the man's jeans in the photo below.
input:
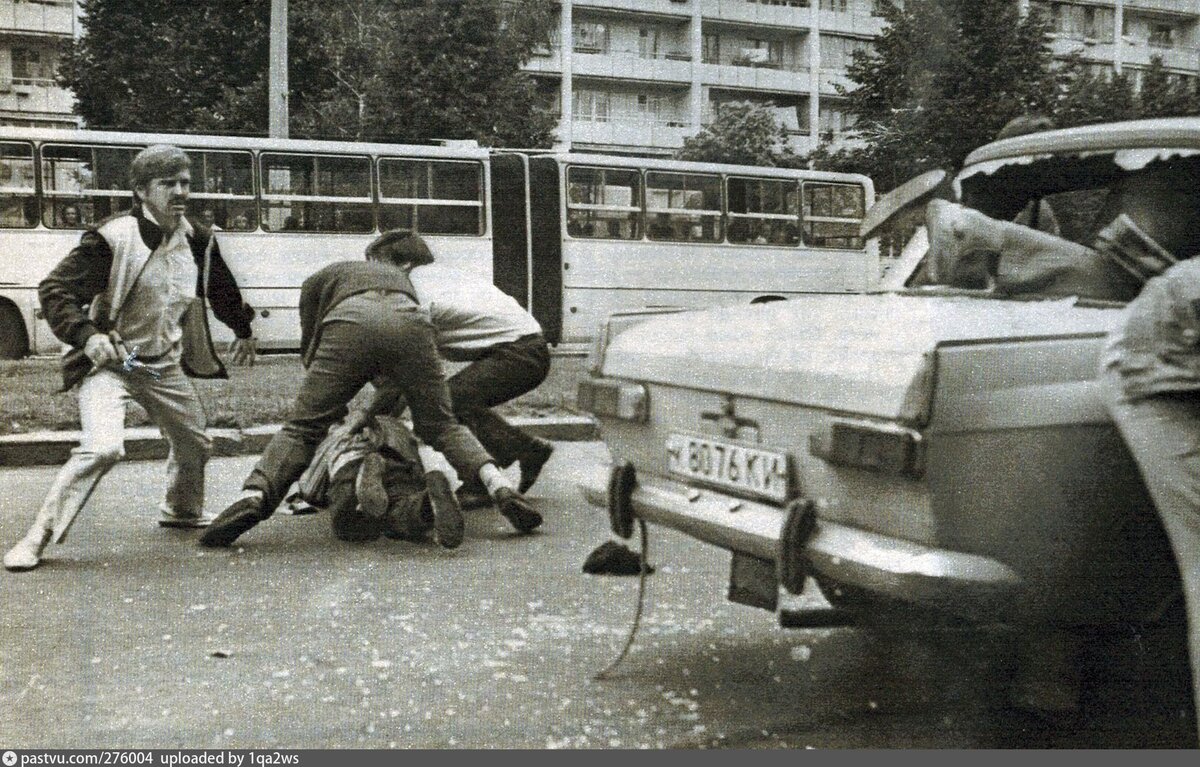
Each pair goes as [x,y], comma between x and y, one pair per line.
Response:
[1163,433]
[170,401]
[508,371]
[377,335]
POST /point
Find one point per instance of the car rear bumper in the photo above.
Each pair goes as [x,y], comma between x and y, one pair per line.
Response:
[882,565]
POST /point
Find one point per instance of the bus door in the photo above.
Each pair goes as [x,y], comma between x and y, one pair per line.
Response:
[546,252]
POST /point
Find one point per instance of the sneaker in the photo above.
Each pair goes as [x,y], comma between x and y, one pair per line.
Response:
[523,517]
[370,488]
[532,463]
[197,519]
[241,515]
[27,554]
[447,515]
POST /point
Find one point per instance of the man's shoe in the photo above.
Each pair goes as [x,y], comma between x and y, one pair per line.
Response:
[523,517]
[241,515]
[370,488]
[27,554]
[167,518]
[532,463]
[473,496]
[447,515]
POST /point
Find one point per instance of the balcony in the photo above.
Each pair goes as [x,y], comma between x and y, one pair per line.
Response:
[742,12]
[630,131]
[743,73]
[41,18]
[42,97]
[1134,52]
[656,7]
[664,67]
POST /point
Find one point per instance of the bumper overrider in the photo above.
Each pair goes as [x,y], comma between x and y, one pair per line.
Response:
[800,543]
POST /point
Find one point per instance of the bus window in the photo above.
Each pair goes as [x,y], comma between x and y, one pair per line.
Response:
[832,214]
[763,211]
[18,205]
[316,193]
[431,196]
[683,207]
[223,189]
[84,184]
[604,203]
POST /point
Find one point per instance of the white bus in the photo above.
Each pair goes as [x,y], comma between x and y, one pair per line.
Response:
[612,232]
[572,237]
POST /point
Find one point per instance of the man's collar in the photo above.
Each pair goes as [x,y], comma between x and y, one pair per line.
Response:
[151,230]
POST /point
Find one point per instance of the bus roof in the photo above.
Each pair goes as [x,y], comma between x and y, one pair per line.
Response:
[682,166]
[189,140]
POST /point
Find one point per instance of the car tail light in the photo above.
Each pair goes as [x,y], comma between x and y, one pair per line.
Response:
[610,398]
[883,448]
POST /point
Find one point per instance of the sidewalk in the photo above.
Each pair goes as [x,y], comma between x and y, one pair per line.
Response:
[41,448]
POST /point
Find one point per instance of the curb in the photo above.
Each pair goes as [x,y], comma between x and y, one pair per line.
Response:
[144,443]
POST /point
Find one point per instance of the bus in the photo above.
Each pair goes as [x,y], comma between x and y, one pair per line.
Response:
[572,237]
[606,233]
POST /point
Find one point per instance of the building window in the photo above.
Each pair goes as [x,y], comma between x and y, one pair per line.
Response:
[593,106]
[712,49]
[27,66]
[591,37]
[834,5]
[1162,36]
[648,38]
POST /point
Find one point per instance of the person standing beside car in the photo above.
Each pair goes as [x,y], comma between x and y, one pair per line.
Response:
[135,290]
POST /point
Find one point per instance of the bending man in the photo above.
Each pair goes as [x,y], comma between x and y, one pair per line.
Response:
[359,320]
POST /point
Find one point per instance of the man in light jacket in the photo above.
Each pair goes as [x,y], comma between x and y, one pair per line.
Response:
[140,281]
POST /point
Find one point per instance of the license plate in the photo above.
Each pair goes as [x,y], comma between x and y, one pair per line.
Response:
[742,469]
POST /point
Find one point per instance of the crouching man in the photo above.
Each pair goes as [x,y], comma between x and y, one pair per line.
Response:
[138,282]
[359,321]
[478,323]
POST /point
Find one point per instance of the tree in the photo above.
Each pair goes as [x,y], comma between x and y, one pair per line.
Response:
[391,70]
[169,65]
[743,133]
[1165,94]
[405,70]
[942,78]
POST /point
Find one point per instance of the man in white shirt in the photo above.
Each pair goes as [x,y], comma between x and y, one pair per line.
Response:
[476,322]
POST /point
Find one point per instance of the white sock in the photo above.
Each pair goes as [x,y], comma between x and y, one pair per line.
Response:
[493,479]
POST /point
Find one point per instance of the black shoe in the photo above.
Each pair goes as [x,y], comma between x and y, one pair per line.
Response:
[532,463]
[447,515]
[523,517]
[473,497]
[241,515]
[410,518]
[369,487]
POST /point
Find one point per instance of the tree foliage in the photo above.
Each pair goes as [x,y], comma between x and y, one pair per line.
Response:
[392,70]
[941,79]
[743,133]
[169,64]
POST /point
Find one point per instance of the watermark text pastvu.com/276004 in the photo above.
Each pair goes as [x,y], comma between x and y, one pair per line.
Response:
[157,758]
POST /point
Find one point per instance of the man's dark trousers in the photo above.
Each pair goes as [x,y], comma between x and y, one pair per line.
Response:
[374,335]
[508,371]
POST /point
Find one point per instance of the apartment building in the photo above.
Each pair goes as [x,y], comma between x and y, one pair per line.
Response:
[33,35]
[640,76]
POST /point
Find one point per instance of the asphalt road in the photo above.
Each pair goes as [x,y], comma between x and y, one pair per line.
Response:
[132,636]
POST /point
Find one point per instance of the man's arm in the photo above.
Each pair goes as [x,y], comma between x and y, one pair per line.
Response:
[72,285]
[226,298]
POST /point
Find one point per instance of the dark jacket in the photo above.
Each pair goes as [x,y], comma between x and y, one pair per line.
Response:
[335,283]
[69,290]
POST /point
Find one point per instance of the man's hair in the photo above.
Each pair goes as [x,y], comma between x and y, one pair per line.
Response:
[399,247]
[158,161]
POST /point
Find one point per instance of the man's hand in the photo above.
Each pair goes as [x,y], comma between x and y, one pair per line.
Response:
[100,350]
[244,351]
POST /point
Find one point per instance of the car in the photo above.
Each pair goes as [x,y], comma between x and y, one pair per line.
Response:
[926,451]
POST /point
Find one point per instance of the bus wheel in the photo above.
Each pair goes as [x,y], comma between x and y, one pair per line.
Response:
[13,343]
